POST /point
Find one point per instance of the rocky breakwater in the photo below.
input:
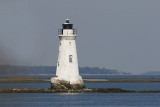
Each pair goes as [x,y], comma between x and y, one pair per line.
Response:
[111,90]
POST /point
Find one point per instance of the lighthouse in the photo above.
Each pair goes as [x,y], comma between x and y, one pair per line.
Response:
[67,72]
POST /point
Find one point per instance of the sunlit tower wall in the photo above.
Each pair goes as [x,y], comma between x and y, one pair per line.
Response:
[67,72]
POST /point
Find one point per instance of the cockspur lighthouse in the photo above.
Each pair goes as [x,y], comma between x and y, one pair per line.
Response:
[67,72]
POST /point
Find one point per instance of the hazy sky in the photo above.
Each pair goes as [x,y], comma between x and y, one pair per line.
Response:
[115,34]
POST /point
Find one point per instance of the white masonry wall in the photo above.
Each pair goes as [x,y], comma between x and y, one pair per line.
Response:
[67,64]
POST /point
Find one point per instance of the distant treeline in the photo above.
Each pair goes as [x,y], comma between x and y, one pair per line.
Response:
[10,69]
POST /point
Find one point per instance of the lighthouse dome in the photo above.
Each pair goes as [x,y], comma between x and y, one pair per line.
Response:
[67,25]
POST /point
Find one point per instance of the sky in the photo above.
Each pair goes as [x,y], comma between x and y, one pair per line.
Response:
[112,34]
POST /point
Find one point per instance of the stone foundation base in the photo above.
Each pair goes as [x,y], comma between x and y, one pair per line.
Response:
[66,85]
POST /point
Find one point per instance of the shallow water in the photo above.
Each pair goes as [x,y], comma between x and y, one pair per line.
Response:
[88,76]
[136,86]
[84,99]
[80,100]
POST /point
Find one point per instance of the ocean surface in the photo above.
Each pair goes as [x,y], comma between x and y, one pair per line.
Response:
[89,76]
[80,100]
[85,99]
[135,86]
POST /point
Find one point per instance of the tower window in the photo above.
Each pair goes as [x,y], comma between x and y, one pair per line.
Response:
[70,58]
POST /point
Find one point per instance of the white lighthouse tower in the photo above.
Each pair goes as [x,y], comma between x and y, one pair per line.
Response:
[67,72]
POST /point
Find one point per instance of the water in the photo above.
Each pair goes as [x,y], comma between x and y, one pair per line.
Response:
[85,99]
[136,86]
[43,85]
[89,76]
[109,77]
[80,100]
